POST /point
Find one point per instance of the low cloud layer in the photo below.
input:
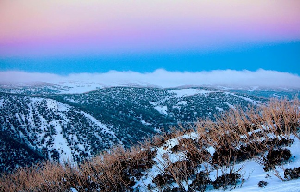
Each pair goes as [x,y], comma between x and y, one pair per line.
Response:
[161,78]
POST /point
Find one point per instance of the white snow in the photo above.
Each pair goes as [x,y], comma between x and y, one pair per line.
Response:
[182,103]
[251,170]
[220,109]
[1,102]
[253,173]
[74,87]
[52,104]
[253,88]
[71,100]
[81,147]
[162,109]
[73,189]
[211,150]
[145,123]
[163,158]
[189,92]
[177,107]
[63,107]
[61,144]
[153,103]
[245,98]
[248,99]
[103,128]
[230,106]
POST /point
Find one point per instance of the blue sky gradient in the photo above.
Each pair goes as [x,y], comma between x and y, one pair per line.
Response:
[284,57]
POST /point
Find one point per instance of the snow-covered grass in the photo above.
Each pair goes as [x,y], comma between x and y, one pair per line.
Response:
[253,173]
[236,152]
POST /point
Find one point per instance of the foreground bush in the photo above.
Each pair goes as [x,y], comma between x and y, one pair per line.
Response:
[235,136]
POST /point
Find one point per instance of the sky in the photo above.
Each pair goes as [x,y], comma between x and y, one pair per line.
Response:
[97,36]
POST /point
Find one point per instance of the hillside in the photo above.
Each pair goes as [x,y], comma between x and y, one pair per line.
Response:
[251,150]
[72,127]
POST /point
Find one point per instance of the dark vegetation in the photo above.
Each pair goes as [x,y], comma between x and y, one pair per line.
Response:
[225,180]
[276,157]
[9,147]
[262,183]
[292,173]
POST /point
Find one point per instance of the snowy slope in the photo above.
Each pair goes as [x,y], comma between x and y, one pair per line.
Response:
[55,130]
[253,173]
[251,170]
[72,127]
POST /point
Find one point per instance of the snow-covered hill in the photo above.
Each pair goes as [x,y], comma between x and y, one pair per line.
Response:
[45,124]
[256,150]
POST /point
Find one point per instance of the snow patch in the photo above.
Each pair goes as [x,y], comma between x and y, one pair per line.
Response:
[79,87]
[51,104]
[73,189]
[145,123]
[163,157]
[211,150]
[61,143]
[189,92]
[248,99]
[230,106]
[1,103]
[63,107]
[71,100]
[245,98]
[253,172]
[219,109]
[104,128]
[162,109]
[182,103]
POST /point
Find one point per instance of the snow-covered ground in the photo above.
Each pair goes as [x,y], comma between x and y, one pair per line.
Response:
[251,170]
[253,173]
[79,87]
[101,127]
[189,92]
[61,144]
[162,109]
[245,98]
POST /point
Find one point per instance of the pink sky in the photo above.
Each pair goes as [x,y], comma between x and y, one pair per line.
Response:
[40,27]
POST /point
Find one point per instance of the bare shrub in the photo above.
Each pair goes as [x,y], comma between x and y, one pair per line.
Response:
[201,181]
[276,157]
[225,180]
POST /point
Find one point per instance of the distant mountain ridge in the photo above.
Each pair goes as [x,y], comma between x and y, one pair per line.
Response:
[41,123]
